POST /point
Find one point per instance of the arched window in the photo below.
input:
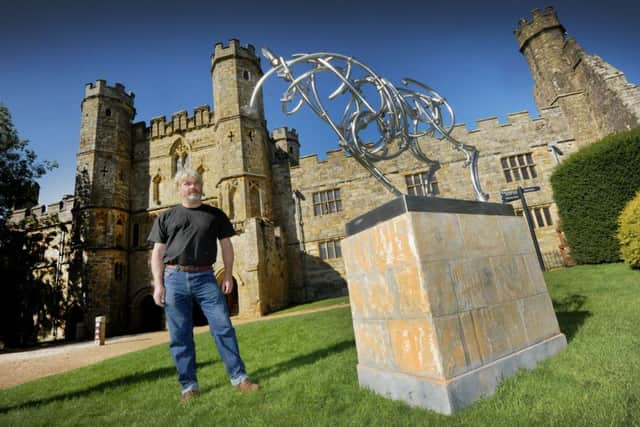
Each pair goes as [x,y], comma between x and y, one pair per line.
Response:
[179,156]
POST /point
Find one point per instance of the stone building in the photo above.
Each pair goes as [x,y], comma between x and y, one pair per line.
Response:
[289,211]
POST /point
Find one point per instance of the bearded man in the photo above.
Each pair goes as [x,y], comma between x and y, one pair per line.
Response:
[184,249]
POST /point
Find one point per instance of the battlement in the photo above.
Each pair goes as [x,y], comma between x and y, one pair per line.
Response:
[180,122]
[57,211]
[100,88]
[284,133]
[542,20]
[489,129]
[234,50]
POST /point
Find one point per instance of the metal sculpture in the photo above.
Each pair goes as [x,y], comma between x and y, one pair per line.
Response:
[402,117]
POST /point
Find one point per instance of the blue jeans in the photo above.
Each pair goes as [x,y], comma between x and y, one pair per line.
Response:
[181,289]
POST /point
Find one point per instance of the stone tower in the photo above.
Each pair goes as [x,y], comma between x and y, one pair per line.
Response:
[287,145]
[594,96]
[245,186]
[102,203]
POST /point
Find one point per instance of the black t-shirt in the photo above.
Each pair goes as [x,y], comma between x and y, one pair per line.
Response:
[190,234]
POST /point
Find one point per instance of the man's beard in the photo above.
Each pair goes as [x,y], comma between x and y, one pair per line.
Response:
[194,197]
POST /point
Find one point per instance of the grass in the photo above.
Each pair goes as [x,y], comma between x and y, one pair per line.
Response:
[314,305]
[307,367]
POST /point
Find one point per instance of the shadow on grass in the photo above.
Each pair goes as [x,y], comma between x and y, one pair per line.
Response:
[307,359]
[569,313]
[107,385]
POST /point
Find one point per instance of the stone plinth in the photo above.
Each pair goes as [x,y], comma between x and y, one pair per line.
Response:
[447,298]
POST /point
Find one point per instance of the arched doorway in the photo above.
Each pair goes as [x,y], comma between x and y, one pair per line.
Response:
[74,326]
[151,318]
[232,298]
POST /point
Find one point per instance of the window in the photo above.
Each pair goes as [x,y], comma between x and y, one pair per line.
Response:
[118,271]
[180,161]
[326,202]
[120,239]
[136,235]
[519,167]
[179,156]
[156,188]
[330,249]
[541,216]
[107,112]
[420,185]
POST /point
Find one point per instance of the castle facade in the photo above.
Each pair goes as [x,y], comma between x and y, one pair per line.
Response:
[289,211]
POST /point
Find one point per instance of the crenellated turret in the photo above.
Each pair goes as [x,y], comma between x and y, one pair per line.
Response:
[104,156]
[286,145]
[235,70]
[594,96]
[542,42]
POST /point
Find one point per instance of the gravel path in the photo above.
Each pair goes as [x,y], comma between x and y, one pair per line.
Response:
[21,367]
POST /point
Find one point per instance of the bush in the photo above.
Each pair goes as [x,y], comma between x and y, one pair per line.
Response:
[591,188]
[629,232]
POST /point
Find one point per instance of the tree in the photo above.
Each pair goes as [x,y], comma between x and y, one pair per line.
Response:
[28,303]
[19,168]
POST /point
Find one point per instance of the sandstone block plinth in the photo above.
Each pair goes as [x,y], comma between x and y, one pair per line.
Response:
[447,300]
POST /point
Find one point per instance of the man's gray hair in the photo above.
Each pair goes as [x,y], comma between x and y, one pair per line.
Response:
[183,174]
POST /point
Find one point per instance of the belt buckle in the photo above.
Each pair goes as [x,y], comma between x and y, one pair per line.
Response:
[179,268]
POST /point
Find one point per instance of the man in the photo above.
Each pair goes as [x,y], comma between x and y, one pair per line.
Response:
[184,250]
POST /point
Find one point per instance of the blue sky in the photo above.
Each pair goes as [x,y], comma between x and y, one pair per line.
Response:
[161,51]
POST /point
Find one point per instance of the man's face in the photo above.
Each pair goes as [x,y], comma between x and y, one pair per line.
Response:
[191,190]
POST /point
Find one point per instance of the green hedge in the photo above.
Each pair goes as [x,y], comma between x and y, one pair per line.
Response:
[591,188]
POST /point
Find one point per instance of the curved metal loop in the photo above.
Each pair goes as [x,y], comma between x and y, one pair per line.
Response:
[402,117]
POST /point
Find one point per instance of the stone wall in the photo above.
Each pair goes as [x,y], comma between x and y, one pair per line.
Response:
[360,192]
[52,224]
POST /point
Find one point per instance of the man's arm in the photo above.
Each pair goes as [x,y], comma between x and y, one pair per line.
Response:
[227,260]
[157,269]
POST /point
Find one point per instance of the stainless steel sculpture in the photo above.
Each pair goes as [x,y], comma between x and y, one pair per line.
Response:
[402,117]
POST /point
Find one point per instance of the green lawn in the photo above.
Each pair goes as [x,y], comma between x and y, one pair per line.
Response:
[315,305]
[306,365]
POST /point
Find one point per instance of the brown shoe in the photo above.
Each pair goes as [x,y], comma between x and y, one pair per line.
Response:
[247,386]
[189,396]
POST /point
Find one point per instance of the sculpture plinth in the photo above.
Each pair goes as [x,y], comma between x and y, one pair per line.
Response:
[447,298]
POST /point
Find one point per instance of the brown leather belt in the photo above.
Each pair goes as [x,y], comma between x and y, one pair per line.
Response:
[188,268]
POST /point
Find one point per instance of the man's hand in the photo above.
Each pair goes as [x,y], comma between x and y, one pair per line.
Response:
[227,260]
[227,285]
[158,295]
[157,268]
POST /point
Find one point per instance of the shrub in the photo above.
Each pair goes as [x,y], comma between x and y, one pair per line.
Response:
[591,188]
[629,232]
